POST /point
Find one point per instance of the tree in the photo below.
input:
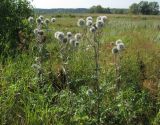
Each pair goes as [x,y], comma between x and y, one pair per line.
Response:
[134,8]
[154,8]
[145,7]
[12,16]
[98,9]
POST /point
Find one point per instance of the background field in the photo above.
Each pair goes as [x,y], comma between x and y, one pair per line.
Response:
[137,102]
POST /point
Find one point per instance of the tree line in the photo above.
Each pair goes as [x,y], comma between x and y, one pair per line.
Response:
[143,7]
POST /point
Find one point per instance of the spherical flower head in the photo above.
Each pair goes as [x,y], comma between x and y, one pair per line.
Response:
[69,35]
[78,36]
[53,20]
[99,18]
[46,21]
[31,19]
[89,23]
[38,20]
[65,40]
[41,17]
[120,46]
[115,50]
[89,92]
[36,31]
[118,42]
[81,22]
[72,42]
[40,32]
[99,24]
[104,18]
[56,34]
[89,18]
[92,29]
[76,44]
[60,36]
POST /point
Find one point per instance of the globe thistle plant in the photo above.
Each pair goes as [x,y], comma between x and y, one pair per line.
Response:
[92,29]
[115,50]
[89,23]
[99,24]
[78,36]
[120,46]
[47,21]
[41,17]
[89,18]
[53,20]
[31,20]
[69,35]
[118,42]
[81,23]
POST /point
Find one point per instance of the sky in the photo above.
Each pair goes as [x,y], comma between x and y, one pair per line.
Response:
[83,3]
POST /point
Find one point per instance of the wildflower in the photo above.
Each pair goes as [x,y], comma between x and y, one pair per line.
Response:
[36,31]
[53,20]
[65,40]
[31,19]
[92,29]
[46,21]
[38,20]
[78,36]
[104,18]
[120,46]
[41,17]
[89,23]
[56,34]
[99,18]
[69,35]
[72,41]
[99,24]
[89,18]
[60,36]
[41,32]
[118,42]
[76,44]
[81,22]
[89,92]
[115,50]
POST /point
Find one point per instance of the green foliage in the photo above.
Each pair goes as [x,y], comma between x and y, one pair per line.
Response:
[145,7]
[13,14]
[99,9]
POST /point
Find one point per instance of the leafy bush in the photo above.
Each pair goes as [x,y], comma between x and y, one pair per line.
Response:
[12,13]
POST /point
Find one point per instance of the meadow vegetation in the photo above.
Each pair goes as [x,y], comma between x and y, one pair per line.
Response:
[86,80]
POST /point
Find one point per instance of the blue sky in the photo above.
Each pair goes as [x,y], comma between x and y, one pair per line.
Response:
[83,3]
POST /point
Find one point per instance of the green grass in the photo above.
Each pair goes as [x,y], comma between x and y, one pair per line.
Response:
[24,102]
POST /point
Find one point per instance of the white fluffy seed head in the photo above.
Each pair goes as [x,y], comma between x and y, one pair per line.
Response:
[89,18]
[69,35]
[31,19]
[72,41]
[89,23]
[38,21]
[60,36]
[41,17]
[76,44]
[53,20]
[99,24]
[120,46]
[56,34]
[115,50]
[99,18]
[81,22]
[89,92]
[118,42]
[92,29]
[78,36]
[104,18]
[36,31]
[47,21]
